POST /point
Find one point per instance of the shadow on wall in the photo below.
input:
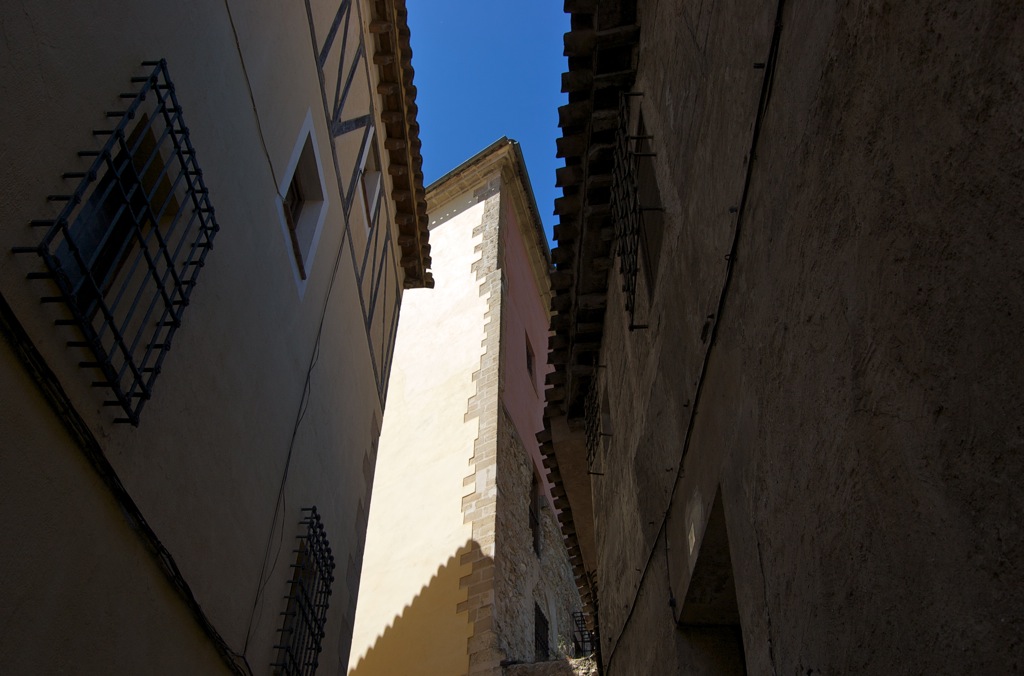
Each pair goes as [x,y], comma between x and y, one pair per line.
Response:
[430,637]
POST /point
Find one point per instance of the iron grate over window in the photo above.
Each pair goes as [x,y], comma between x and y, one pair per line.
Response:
[127,246]
[627,212]
[592,422]
[302,631]
[540,635]
[584,640]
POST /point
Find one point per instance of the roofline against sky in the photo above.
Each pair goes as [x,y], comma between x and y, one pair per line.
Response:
[525,175]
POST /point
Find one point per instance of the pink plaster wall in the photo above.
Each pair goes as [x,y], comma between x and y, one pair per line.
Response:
[525,317]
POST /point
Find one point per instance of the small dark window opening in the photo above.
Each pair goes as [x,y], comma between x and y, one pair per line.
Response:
[541,653]
[293,203]
[529,362]
[535,529]
[309,591]
[302,204]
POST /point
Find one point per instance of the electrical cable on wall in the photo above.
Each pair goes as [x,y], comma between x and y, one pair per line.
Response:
[766,89]
[76,427]
[280,503]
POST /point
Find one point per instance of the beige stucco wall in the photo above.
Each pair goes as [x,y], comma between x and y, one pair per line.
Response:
[232,408]
[450,576]
[62,533]
[416,520]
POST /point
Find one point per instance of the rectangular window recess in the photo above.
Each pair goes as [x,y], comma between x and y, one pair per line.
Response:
[125,251]
[309,591]
[541,653]
[529,362]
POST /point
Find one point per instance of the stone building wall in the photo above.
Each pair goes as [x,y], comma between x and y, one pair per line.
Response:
[479,507]
[524,578]
[829,383]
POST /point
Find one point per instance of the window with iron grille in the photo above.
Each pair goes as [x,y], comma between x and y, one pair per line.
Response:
[540,635]
[597,423]
[584,640]
[309,591]
[635,205]
[126,248]
[592,422]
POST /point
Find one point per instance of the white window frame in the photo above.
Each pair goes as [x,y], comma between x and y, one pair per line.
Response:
[317,210]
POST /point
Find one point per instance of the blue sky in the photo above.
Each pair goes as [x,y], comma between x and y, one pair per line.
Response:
[486,69]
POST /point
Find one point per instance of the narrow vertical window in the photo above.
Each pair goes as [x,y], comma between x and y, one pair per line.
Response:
[529,362]
[540,635]
[302,204]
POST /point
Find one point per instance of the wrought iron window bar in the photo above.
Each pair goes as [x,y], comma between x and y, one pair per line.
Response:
[584,640]
[127,246]
[592,422]
[302,631]
[627,211]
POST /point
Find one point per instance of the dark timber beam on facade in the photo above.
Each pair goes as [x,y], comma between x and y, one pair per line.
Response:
[568,175]
[574,82]
[571,146]
[574,113]
[579,42]
[392,55]
[580,6]
[602,51]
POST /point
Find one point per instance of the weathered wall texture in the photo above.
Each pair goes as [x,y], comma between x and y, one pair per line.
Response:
[480,506]
[562,667]
[525,578]
[852,391]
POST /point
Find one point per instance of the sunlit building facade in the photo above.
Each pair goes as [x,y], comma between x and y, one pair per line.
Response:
[208,216]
